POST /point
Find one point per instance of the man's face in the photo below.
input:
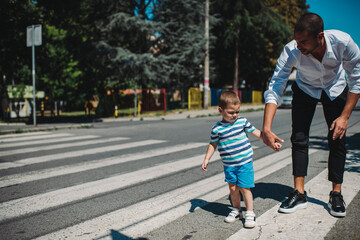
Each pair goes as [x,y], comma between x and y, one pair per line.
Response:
[230,113]
[307,43]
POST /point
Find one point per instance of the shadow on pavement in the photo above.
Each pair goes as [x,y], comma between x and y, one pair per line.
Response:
[213,207]
[271,191]
[115,235]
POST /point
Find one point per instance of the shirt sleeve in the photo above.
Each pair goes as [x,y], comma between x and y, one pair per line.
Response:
[214,136]
[351,64]
[281,75]
[248,127]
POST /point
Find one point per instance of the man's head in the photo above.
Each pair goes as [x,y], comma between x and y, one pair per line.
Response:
[309,33]
[229,106]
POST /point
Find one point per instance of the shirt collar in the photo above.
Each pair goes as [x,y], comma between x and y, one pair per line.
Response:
[329,54]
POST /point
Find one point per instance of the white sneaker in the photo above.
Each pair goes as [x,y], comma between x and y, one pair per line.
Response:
[250,219]
[232,216]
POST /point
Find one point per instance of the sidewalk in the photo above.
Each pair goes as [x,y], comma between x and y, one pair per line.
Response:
[10,128]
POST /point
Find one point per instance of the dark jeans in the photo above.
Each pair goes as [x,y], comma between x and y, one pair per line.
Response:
[303,109]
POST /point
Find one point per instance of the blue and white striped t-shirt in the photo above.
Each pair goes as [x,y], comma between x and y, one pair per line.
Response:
[233,144]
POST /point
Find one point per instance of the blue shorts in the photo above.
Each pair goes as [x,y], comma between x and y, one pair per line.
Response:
[242,176]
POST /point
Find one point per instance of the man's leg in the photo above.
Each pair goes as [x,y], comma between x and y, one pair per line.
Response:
[337,153]
[303,109]
[299,183]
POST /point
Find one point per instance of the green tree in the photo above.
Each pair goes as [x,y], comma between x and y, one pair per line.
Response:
[15,57]
[290,9]
[249,36]
[182,40]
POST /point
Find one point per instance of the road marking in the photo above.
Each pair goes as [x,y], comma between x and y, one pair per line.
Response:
[143,217]
[28,138]
[57,146]
[46,141]
[53,157]
[314,222]
[32,204]
[10,180]
[22,134]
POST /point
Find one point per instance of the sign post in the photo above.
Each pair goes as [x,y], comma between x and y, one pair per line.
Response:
[33,38]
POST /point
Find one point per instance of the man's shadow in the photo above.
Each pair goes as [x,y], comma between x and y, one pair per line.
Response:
[278,192]
[353,153]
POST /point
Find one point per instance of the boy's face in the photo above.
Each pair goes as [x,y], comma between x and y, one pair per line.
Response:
[230,113]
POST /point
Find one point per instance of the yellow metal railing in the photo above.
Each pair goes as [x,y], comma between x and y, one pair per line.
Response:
[194,98]
[257,97]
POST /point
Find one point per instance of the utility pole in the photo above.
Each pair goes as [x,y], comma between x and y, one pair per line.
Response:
[33,38]
[206,68]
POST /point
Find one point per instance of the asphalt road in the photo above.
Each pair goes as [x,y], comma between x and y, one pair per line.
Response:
[142,180]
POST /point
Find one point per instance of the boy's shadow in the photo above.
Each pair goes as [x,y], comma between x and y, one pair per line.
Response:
[262,190]
[218,209]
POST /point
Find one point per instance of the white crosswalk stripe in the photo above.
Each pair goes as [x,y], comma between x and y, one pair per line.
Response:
[137,219]
[45,141]
[28,138]
[8,136]
[49,158]
[76,168]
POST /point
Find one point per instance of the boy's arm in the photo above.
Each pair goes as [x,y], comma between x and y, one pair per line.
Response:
[209,152]
[258,134]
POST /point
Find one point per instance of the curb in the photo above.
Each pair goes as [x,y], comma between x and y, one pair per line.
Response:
[23,128]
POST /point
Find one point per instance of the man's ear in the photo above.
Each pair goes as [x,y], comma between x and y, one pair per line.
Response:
[220,109]
[320,35]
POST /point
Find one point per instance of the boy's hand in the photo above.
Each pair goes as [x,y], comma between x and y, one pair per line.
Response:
[277,146]
[204,165]
[270,139]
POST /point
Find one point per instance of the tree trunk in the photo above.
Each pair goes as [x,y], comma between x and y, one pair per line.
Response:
[236,72]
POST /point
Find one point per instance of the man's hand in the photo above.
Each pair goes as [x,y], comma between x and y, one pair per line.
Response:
[270,139]
[339,126]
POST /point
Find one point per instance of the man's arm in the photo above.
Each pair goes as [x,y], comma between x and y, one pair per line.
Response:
[339,125]
[269,138]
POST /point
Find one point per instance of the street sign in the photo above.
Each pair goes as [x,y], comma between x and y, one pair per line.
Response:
[36,30]
[33,38]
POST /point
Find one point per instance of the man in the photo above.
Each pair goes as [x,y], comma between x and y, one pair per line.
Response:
[322,59]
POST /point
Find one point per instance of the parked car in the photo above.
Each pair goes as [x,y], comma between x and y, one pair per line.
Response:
[286,98]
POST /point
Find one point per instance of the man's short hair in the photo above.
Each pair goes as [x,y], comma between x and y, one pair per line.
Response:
[228,97]
[311,23]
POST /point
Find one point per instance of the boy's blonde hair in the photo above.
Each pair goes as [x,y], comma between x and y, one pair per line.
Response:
[228,97]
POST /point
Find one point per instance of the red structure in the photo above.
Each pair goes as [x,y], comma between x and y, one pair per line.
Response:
[153,100]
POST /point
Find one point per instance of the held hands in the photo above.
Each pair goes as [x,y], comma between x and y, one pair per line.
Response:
[277,146]
[271,140]
[339,126]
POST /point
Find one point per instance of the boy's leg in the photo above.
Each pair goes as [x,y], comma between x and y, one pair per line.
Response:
[235,200]
[248,198]
[235,195]
[249,214]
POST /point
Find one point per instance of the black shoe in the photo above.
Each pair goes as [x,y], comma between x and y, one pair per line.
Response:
[336,204]
[294,201]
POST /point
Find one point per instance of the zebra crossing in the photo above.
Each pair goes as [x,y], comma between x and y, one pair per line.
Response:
[133,220]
